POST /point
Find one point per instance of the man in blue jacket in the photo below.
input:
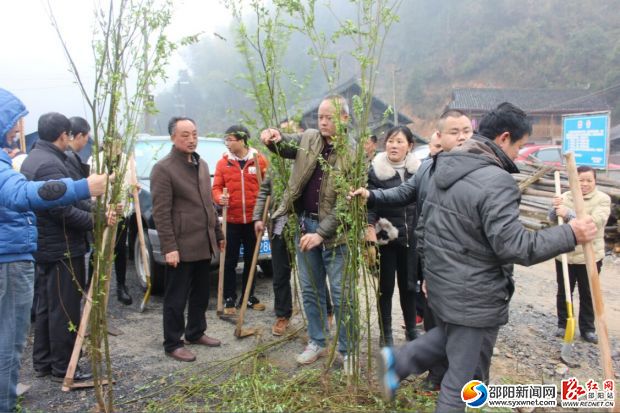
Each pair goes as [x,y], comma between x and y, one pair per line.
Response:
[18,240]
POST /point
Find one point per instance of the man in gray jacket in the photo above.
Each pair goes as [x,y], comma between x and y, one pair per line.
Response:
[472,238]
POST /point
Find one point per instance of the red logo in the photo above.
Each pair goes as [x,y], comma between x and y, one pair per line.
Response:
[608,385]
[571,390]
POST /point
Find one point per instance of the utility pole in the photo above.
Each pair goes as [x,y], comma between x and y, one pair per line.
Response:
[394,70]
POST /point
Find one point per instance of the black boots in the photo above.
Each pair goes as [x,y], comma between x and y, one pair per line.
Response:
[123,295]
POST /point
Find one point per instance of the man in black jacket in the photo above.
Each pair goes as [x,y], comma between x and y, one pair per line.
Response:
[60,266]
[472,238]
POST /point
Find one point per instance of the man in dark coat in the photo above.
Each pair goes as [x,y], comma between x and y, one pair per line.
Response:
[60,266]
[472,238]
[190,233]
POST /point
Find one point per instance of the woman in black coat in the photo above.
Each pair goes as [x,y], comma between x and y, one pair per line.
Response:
[394,227]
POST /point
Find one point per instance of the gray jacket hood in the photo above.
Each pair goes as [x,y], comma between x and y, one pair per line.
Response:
[464,159]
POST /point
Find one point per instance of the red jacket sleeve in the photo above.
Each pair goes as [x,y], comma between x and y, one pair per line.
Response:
[218,181]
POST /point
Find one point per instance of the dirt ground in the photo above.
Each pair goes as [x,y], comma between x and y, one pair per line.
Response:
[527,350]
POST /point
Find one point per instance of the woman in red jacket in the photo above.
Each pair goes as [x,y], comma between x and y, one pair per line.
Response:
[237,172]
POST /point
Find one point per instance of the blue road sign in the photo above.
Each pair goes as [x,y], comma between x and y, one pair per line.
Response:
[586,136]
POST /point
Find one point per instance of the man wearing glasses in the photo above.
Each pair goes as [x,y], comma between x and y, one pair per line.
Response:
[238,172]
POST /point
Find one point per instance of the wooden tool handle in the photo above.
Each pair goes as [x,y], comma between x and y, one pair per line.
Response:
[593,278]
[248,287]
[569,298]
[220,280]
[79,339]
[22,136]
[259,173]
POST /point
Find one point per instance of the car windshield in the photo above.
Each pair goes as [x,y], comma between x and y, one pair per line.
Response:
[422,151]
[149,151]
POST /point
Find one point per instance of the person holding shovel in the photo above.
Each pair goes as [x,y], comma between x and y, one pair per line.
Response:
[238,172]
[472,238]
[598,206]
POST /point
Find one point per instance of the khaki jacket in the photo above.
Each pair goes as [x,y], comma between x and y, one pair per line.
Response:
[598,206]
[183,209]
[305,148]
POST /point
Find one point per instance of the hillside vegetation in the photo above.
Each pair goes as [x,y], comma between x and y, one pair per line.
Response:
[435,46]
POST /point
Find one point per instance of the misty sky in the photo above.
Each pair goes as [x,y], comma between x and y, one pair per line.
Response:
[35,68]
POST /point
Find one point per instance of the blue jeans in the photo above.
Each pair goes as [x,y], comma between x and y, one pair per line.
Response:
[314,265]
[16,291]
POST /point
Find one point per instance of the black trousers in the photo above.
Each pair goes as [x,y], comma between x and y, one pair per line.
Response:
[120,252]
[187,283]
[120,255]
[394,266]
[237,235]
[577,274]
[281,263]
[57,308]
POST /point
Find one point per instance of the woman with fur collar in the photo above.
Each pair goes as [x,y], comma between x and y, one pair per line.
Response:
[394,227]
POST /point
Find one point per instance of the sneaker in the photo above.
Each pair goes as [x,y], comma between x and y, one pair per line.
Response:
[311,353]
[255,304]
[279,327]
[229,306]
[590,337]
[388,379]
[419,320]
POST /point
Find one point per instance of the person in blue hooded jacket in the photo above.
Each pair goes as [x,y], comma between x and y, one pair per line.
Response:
[18,240]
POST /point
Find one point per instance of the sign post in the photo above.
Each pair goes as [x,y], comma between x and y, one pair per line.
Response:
[587,136]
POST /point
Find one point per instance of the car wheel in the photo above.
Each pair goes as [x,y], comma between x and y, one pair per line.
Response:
[157,271]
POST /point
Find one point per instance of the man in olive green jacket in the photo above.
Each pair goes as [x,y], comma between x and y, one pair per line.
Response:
[311,193]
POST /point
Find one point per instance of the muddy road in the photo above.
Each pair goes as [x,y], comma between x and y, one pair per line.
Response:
[527,350]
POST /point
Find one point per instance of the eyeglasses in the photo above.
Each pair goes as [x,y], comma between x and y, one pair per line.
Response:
[227,140]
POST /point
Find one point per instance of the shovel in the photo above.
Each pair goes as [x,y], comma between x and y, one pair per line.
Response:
[133,181]
[593,278]
[220,280]
[566,355]
[241,332]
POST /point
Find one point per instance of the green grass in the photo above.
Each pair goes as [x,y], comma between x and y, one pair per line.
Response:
[255,385]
